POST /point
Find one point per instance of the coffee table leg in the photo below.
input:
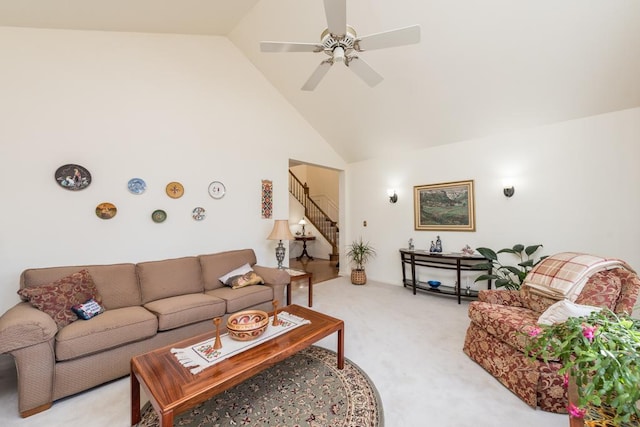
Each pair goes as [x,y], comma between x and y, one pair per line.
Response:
[341,347]
[289,292]
[166,419]
[310,293]
[135,400]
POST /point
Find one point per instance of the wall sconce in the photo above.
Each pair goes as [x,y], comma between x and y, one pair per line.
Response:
[508,190]
[393,197]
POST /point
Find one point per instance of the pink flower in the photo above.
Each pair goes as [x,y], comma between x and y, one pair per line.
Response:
[576,412]
[535,331]
[565,380]
[589,332]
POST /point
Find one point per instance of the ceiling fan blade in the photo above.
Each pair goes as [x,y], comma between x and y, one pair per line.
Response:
[364,71]
[317,75]
[392,38]
[336,11]
[290,47]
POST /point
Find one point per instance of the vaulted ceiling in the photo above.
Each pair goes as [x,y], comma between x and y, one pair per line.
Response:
[482,66]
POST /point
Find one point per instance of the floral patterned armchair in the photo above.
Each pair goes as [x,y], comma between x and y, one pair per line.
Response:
[500,323]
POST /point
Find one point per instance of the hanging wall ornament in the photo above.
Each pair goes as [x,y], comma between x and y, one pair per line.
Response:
[175,190]
[73,177]
[267,198]
[158,216]
[136,186]
[106,210]
[198,213]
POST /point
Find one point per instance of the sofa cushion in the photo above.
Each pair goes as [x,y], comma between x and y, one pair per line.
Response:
[629,293]
[116,283]
[169,278]
[183,310]
[57,298]
[112,328]
[216,265]
[509,324]
[239,299]
[534,301]
[602,290]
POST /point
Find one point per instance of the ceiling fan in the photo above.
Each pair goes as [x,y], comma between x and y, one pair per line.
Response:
[341,43]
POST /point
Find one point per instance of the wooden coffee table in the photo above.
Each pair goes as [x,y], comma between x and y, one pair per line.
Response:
[173,389]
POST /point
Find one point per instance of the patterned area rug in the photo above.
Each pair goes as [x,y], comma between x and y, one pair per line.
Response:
[306,389]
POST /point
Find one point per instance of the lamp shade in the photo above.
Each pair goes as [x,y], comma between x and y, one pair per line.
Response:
[302,222]
[281,230]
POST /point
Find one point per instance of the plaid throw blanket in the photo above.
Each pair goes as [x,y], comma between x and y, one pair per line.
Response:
[562,276]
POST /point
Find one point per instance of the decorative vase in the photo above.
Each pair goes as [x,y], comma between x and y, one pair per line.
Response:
[358,277]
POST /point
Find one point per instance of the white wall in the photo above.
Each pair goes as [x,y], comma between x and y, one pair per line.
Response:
[160,107]
[577,187]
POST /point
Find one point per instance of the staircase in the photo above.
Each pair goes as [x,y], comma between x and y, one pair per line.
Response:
[327,227]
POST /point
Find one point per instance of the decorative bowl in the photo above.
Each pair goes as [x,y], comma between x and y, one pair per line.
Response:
[247,325]
[434,283]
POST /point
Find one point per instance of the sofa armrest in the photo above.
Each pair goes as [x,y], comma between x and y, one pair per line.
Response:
[23,326]
[272,276]
[502,297]
[275,278]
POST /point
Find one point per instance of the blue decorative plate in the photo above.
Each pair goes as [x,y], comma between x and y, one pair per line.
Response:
[137,185]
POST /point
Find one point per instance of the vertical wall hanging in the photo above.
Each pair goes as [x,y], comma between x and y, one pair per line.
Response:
[267,198]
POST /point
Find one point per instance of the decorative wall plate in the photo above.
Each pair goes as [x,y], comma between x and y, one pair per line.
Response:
[217,190]
[175,190]
[158,215]
[137,185]
[199,214]
[73,177]
[106,210]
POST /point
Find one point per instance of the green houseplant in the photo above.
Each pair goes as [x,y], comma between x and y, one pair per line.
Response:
[508,276]
[359,253]
[600,354]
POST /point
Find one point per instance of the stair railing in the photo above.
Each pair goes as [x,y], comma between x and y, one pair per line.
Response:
[327,227]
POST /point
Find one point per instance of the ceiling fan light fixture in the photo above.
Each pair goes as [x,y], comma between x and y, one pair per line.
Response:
[341,43]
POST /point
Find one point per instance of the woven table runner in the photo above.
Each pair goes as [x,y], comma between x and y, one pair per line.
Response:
[202,355]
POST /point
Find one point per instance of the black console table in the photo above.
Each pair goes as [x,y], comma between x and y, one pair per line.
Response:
[447,261]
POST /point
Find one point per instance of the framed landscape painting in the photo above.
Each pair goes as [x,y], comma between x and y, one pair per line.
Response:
[447,207]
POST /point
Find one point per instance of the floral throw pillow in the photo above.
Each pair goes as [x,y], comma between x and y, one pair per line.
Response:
[57,298]
[602,290]
[240,281]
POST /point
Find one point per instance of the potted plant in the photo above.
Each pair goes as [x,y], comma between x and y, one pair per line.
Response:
[508,276]
[600,354]
[359,253]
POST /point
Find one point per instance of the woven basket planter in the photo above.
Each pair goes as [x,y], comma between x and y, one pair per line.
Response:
[358,277]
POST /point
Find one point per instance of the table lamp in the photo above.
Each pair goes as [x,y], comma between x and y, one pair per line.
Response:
[280,232]
[302,223]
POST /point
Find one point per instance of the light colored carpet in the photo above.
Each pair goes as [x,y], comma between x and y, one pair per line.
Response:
[410,346]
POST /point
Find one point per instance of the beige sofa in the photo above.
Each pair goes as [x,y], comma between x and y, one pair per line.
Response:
[147,305]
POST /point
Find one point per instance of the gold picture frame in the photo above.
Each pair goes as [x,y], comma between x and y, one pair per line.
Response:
[447,206]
